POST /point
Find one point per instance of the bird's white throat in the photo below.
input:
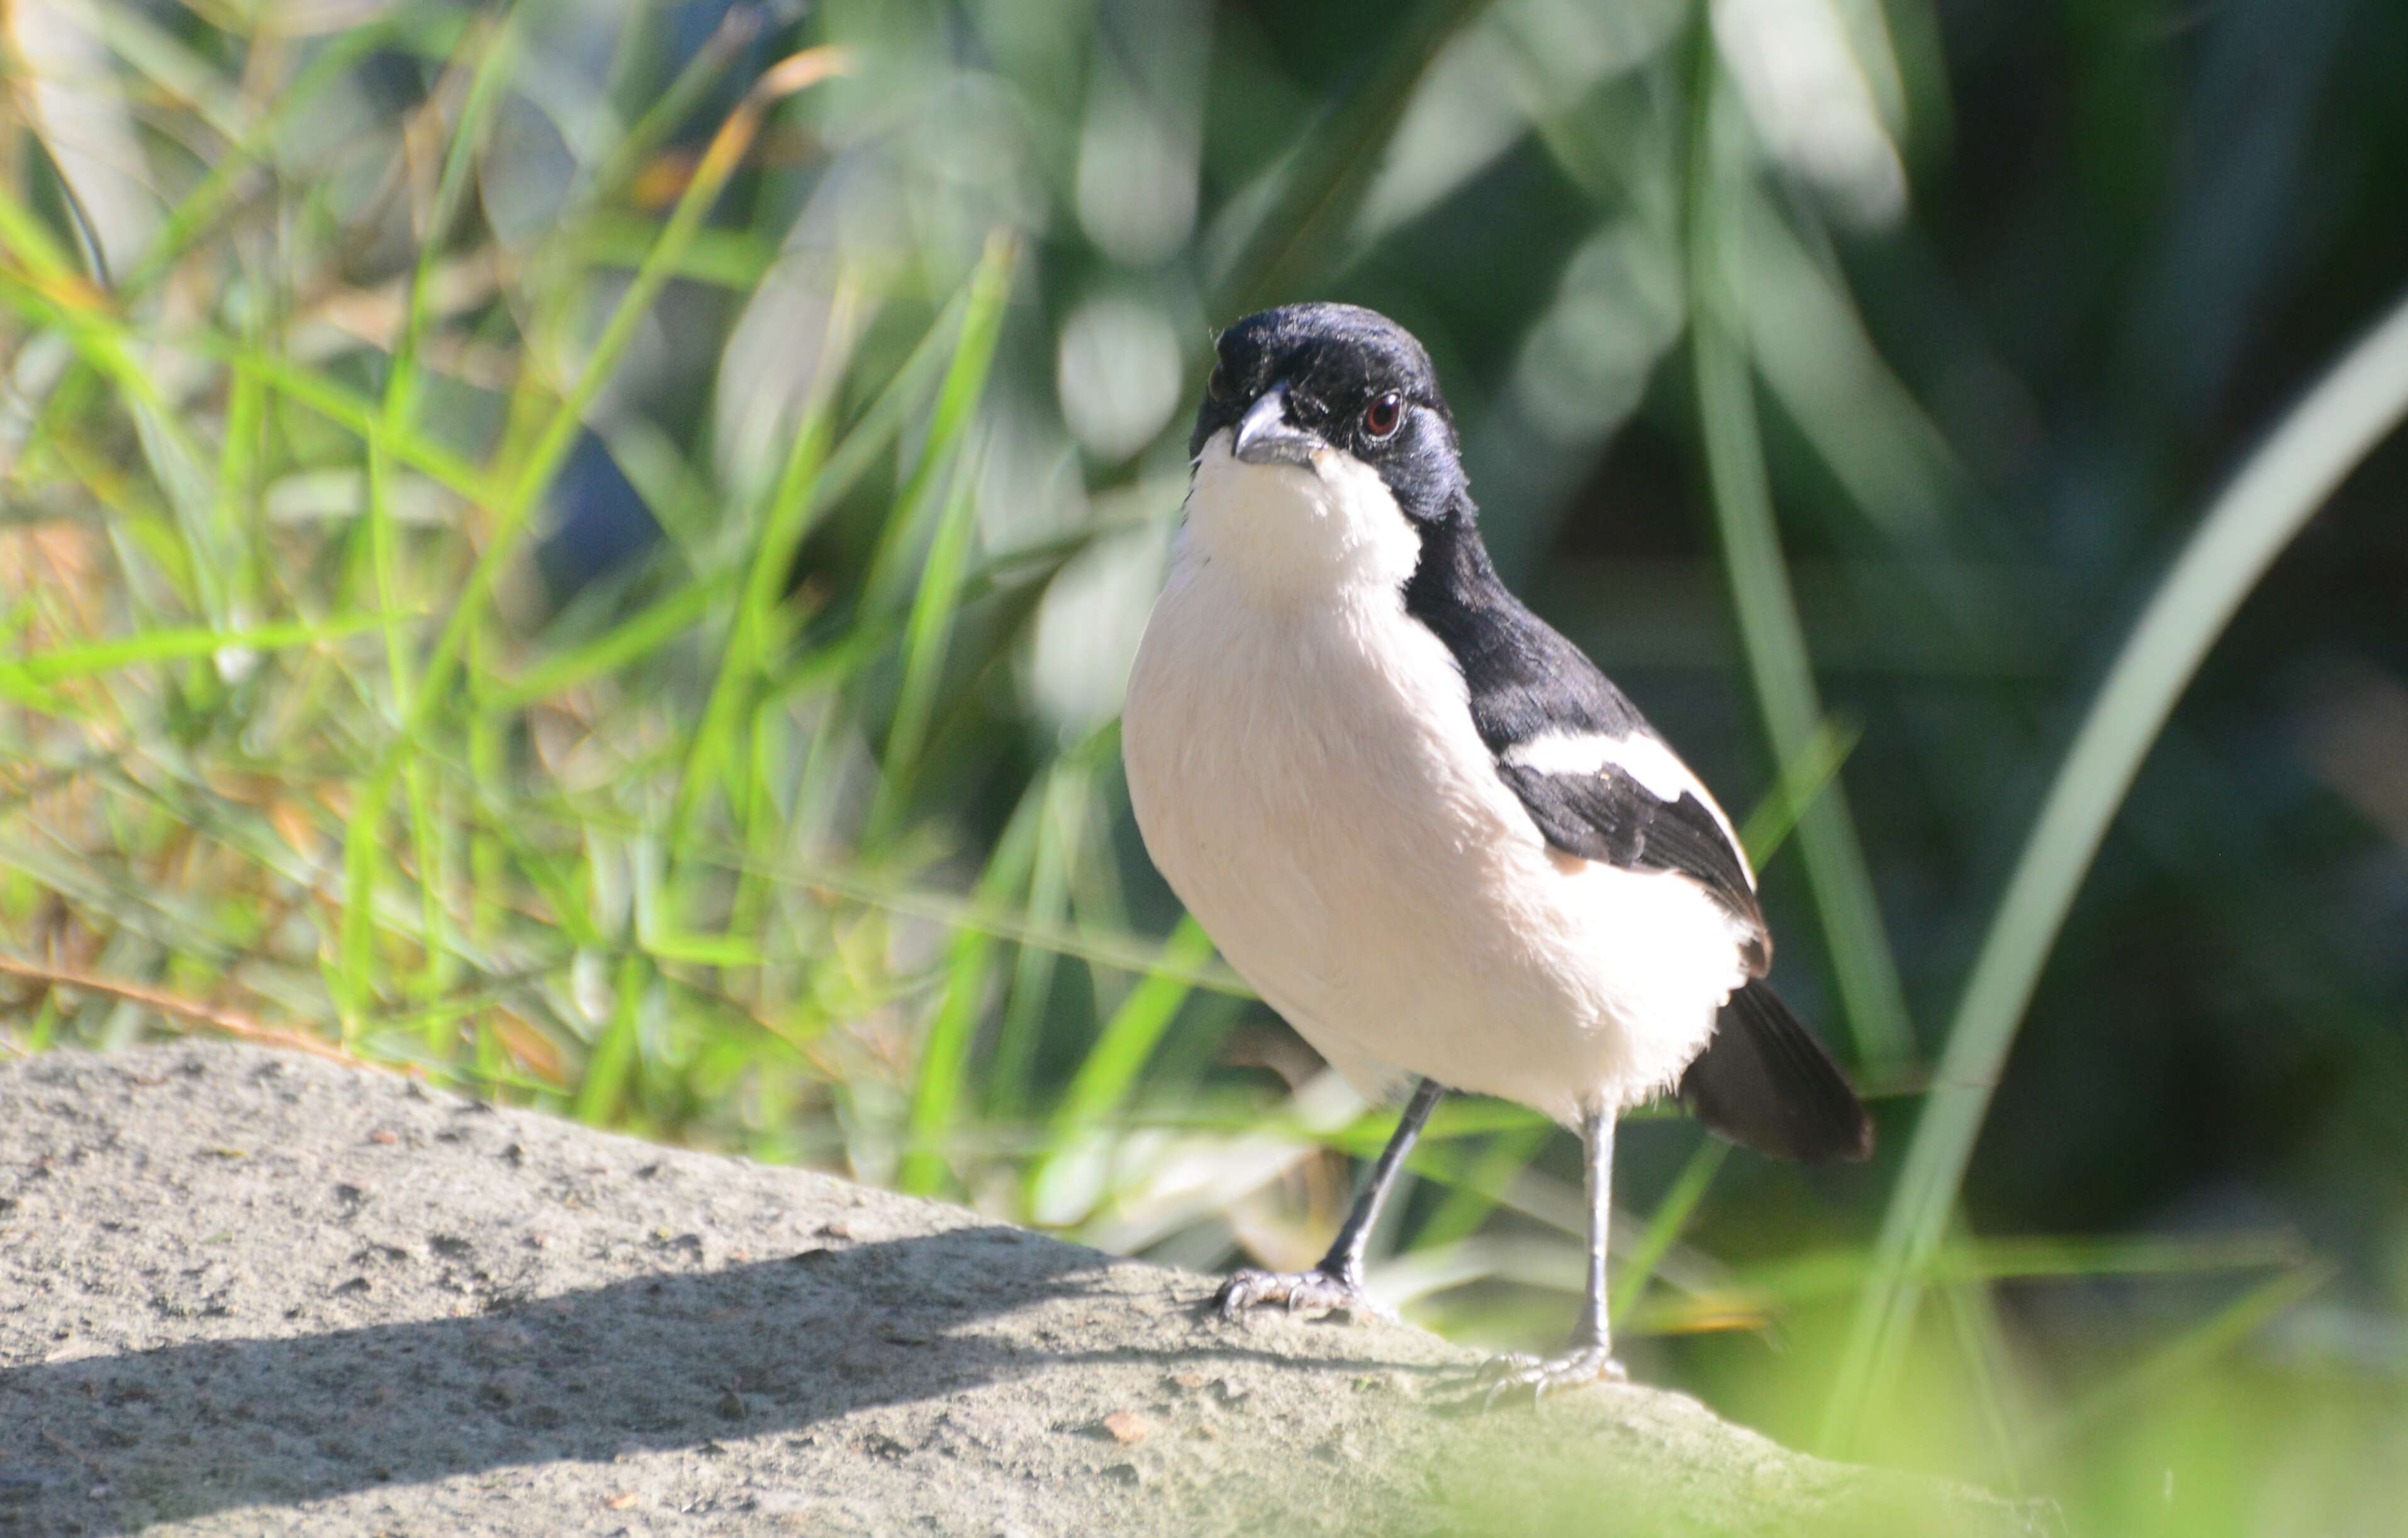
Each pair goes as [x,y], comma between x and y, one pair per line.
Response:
[1284,534]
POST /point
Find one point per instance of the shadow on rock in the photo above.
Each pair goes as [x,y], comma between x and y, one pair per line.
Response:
[665,1361]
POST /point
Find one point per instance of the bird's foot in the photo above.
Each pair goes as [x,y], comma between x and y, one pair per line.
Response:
[1577,1368]
[1315,1291]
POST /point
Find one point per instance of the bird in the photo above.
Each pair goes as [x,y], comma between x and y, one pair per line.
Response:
[1421,823]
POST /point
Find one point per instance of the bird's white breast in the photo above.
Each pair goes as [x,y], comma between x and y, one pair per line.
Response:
[1306,774]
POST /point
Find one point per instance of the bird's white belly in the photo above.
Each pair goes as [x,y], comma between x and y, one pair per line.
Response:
[1308,779]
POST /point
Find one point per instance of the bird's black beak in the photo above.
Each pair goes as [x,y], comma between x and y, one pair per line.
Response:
[1266,437]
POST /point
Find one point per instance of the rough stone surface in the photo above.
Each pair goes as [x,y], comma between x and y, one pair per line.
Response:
[246,1293]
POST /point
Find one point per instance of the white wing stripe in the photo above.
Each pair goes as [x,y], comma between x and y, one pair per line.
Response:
[1642,755]
[1644,759]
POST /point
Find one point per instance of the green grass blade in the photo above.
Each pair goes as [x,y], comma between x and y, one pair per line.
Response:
[630,640]
[26,237]
[1809,343]
[92,657]
[172,68]
[945,1055]
[51,293]
[2227,1328]
[1098,947]
[1821,1275]
[426,29]
[676,103]
[558,433]
[1803,779]
[2362,399]
[514,511]
[486,88]
[990,289]
[613,1058]
[1991,1382]
[1473,1196]
[1664,1225]
[1772,638]
[747,647]
[347,410]
[729,259]
[1129,1038]
[756,634]
[883,422]
[925,635]
[1011,1083]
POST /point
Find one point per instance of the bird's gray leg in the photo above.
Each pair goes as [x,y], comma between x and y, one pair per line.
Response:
[1589,1357]
[1336,1281]
[1597,1143]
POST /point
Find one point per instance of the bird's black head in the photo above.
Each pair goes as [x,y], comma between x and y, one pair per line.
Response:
[1304,378]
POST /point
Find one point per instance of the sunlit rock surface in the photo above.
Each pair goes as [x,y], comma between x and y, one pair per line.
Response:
[245,1292]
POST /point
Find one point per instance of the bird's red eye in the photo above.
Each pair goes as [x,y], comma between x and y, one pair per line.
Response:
[1381,417]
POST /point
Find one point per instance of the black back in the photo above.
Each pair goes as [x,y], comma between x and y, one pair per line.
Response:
[1524,678]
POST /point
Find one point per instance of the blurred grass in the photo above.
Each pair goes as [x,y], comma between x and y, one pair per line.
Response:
[2357,403]
[1780,666]
[339,707]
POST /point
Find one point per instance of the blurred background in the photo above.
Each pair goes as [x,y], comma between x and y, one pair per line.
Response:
[591,548]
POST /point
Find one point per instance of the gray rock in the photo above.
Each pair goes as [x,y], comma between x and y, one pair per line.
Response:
[243,1292]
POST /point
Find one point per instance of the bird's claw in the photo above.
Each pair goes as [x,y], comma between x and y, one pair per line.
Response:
[1577,1368]
[1316,1290]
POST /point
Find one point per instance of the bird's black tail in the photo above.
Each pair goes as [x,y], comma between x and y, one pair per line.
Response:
[1765,1083]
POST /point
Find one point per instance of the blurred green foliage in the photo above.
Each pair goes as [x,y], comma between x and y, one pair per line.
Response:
[591,549]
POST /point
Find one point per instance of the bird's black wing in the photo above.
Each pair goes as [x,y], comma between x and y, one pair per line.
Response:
[1525,682]
[1610,816]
